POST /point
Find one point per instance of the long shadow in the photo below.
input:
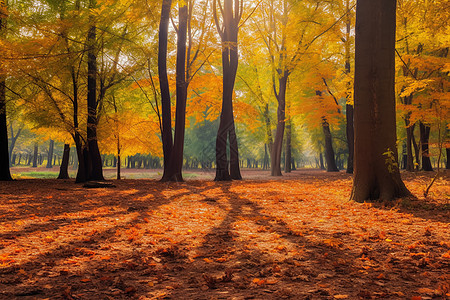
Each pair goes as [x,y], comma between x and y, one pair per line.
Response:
[226,266]
[304,276]
[15,279]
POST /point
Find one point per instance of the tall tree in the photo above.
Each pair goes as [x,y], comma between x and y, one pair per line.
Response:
[95,166]
[231,12]
[349,105]
[376,170]
[166,130]
[172,171]
[4,156]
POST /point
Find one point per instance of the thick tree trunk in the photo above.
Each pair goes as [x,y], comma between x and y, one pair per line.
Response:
[82,172]
[5,174]
[166,133]
[376,170]
[51,146]
[424,142]
[63,170]
[94,157]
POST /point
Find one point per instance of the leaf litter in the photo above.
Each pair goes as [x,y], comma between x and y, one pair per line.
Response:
[297,237]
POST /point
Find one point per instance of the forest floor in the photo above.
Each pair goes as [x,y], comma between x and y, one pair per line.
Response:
[297,237]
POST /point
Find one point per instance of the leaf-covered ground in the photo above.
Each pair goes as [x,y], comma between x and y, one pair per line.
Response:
[297,237]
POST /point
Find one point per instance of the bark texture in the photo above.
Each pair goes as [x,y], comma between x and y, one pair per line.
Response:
[166,130]
[173,171]
[63,169]
[93,153]
[228,170]
[376,170]
[5,174]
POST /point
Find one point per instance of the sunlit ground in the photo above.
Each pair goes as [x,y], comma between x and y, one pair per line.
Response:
[297,238]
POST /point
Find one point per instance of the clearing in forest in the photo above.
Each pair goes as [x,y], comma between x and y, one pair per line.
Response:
[298,237]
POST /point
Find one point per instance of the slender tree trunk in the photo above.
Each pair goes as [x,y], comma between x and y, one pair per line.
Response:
[329,152]
[173,172]
[166,133]
[94,157]
[409,149]
[376,170]
[349,130]
[35,156]
[321,165]
[229,37]
[51,146]
[281,116]
[424,142]
[63,170]
[5,174]
[288,150]
[447,164]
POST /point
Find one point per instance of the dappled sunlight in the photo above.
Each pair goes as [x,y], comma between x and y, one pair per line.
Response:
[281,237]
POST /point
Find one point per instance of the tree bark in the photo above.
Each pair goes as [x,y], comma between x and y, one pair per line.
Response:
[376,170]
[281,116]
[5,174]
[51,146]
[63,170]
[349,130]
[409,147]
[166,133]
[288,149]
[424,142]
[225,170]
[173,172]
[93,152]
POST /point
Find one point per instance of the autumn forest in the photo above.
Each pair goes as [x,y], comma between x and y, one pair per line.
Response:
[224,149]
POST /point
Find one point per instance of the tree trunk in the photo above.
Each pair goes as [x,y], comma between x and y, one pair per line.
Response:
[51,146]
[349,130]
[321,165]
[35,156]
[164,85]
[447,164]
[5,174]
[288,150]
[424,142]
[63,170]
[329,152]
[409,147]
[376,173]
[94,157]
[173,172]
[229,36]
[281,116]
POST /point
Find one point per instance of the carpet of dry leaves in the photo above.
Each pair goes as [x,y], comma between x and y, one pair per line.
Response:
[298,237]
